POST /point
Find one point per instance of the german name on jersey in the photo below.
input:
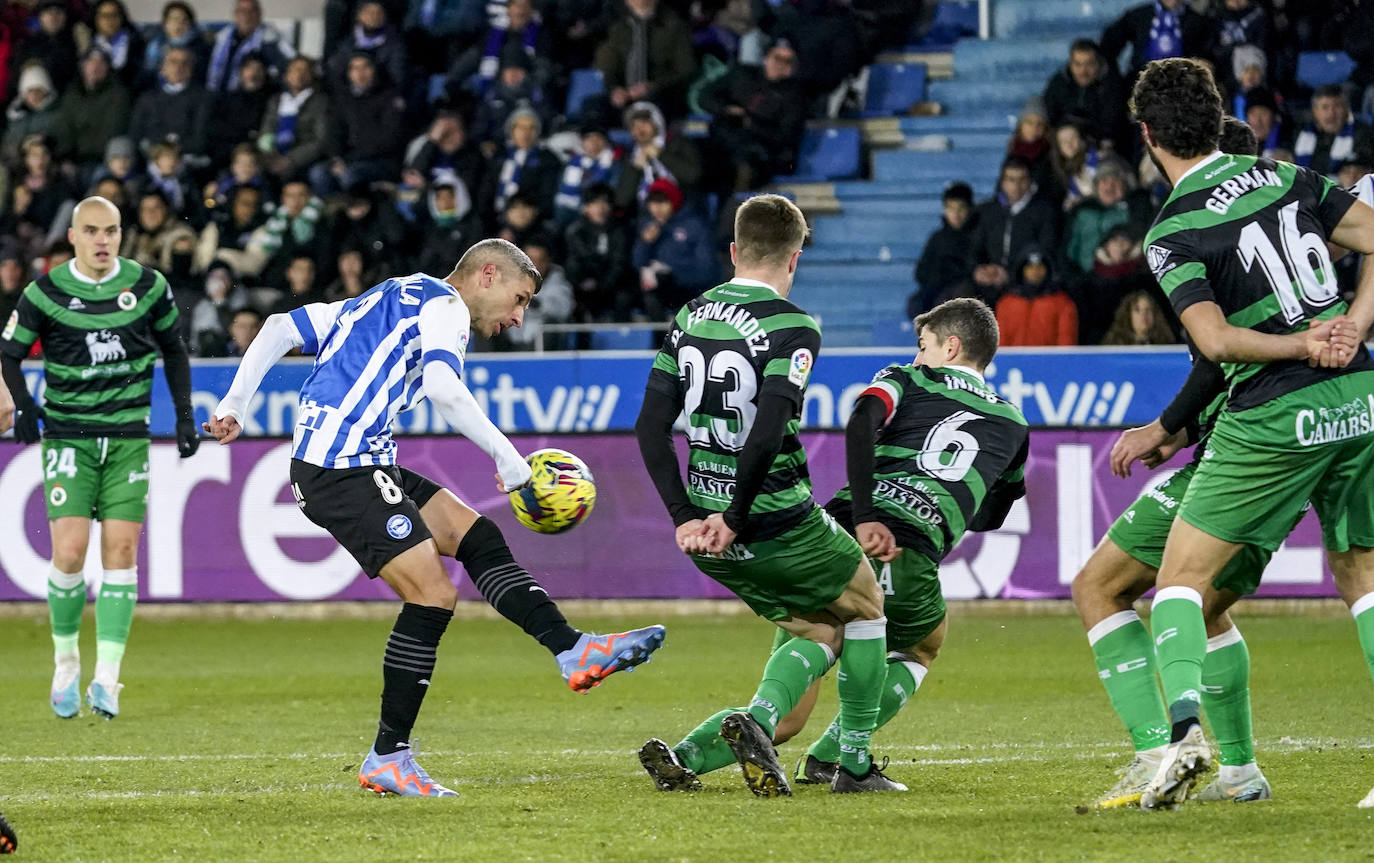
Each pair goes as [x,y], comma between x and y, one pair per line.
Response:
[948,438]
[725,349]
[368,368]
[99,345]
[1249,234]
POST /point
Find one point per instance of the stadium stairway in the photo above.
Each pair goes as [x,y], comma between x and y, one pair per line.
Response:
[868,233]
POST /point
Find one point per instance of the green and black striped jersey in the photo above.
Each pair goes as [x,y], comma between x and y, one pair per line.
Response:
[725,349]
[99,345]
[947,441]
[1249,234]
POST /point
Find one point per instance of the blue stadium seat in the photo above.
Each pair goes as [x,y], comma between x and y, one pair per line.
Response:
[1042,18]
[826,154]
[894,88]
[582,85]
[623,339]
[1319,68]
[1000,122]
[939,168]
[893,331]
[982,98]
[953,20]
[990,59]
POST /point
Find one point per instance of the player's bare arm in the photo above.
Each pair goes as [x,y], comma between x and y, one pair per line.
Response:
[1356,232]
[6,410]
[1221,342]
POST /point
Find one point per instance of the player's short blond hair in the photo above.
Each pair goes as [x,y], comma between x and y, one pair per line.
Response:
[768,229]
[505,255]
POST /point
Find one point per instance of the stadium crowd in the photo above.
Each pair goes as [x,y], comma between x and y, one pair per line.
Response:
[258,180]
[1057,249]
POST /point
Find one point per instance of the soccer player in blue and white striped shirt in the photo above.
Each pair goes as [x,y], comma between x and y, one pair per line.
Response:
[378,354]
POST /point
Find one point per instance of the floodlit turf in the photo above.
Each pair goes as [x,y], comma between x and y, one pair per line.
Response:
[240,741]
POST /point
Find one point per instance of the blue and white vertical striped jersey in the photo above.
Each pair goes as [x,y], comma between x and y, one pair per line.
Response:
[368,368]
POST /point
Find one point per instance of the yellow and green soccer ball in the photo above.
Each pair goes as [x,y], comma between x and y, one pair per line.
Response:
[560,494]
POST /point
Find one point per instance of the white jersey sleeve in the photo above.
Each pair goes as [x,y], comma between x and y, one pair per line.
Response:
[1364,189]
[444,331]
[303,328]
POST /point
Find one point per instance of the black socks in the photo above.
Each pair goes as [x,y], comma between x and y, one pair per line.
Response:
[406,668]
[509,589]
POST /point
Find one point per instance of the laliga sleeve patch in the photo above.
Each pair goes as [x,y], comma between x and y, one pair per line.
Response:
[398,526]
[799,371]
[10,325]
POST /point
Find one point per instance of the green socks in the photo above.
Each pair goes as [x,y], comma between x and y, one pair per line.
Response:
[114,613]
[1125,659]
[861,674]
[1226,696]
[66,602]
[703,749]
[1363,612]
[790,671]
[903,679]
[1180,644]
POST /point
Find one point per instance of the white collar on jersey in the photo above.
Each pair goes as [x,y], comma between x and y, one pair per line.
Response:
[1216,154]
[82,277]
[968,371]
[753,283]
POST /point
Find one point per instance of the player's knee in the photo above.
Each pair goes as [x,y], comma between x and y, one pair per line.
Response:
[69,555]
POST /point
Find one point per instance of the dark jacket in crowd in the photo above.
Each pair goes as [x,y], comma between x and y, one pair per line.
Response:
[1100,107]
[943,265]
[671,62]
[235,119]
[596,262]
[88,119]
[1001,235]
[312,130]
[775,112]
[184,115]
[365,126]
[1133,29]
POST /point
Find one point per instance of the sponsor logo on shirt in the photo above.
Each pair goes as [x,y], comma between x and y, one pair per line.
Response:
[799,371]
[1157,257]
[105,346]
[1327,425]
[398,526]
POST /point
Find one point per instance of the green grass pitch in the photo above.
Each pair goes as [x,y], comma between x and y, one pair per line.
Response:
[239,740]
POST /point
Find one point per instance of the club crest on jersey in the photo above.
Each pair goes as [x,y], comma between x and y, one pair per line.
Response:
[126,300]
[398,526]
[799,371]
[10,325]
[1157,257]
[105,347]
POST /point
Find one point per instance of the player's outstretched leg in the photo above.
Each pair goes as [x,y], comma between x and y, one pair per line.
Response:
[1226,701]
[66,602]
[398,773]
[114,616]
[665,768]
[584,659]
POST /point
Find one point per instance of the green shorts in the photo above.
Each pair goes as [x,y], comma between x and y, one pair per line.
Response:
[800,572]
[103,477]
[912,599]
[1263,464]
[1141,530]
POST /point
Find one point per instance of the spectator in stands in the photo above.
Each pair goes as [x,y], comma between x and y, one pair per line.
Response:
[295,124]
[247,34]
[150,241]
[1118,269]
[1031,142]
[1139,321]
[117,193]
[1237,24]
[514,87]
[119,38]
[1007,226]
[1036,311]
[519,221]
[33,111]
[1113,202]
[178,108]
[1089,93]
[120,164]
[178,29]
[597,164]
[657,154]
[1334,136]
[94,109]
[167,174]
[943,269]
[1247,71]
[672,252]
[245,169]
[367,224]
[243,328]
[1266,117]
[230,231]
[301,289]
[552,305]
[1074,160]
[42,199]
[433,27]
[13,279]
[212,314]
[522,33]
[363,145]
[372,34]
[578,27]
[596,260]
[647,56]
[53,45]
[293,230]
[825,33]
[353,277]
[445,148]
[758,115]
[1164,28]
[237,115]
[525,166]
[447,225]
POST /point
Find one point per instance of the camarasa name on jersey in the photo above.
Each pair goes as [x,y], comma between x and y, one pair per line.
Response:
[1230,190]
[733,315]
